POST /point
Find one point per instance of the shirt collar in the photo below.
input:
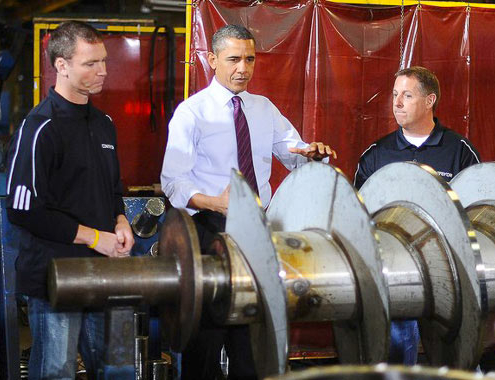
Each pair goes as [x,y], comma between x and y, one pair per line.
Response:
[77,110]
[432,140]
[223,95]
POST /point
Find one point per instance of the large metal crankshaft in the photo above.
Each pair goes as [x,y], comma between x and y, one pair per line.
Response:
[317,255]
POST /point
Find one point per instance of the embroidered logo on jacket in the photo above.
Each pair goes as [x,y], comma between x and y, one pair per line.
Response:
[107,146]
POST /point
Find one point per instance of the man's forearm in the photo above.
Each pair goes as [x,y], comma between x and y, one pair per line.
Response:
[85,235]
[205,202]
[45,223]
[202,202]
[102,242]
[122,219]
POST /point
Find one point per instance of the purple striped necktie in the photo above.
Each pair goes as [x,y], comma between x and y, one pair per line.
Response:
[244,153]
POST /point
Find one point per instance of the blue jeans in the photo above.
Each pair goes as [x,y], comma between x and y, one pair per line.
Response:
[404,340]
[56,338]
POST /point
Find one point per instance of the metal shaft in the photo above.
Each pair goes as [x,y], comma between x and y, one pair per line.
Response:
[90,282]
[319,281]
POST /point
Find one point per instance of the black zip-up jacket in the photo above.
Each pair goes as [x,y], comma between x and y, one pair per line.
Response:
[63,171]
[444,150]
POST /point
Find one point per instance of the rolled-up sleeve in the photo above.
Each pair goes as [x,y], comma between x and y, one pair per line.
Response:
[285,136]
[180,157]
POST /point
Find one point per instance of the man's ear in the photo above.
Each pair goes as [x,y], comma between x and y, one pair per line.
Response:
[430,100]
[212,60]
[61,66]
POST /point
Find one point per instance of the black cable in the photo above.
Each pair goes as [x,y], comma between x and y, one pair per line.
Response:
[170,77]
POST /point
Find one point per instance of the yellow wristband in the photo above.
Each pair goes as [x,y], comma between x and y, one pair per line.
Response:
[97,237]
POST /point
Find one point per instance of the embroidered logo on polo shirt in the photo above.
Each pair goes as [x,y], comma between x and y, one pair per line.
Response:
[445,174]
[107,146]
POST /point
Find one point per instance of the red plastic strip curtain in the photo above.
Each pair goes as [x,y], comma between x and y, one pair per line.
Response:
[330,68]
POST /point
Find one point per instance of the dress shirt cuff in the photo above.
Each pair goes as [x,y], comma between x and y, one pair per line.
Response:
[180,199]
[191,194]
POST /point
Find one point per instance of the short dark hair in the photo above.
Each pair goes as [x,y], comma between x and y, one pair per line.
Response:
[428,81]
[229,31]
[63,40]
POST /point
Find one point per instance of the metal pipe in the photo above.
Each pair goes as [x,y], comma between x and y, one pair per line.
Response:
[319,281]
[418,265]
[89,282]
[405,282]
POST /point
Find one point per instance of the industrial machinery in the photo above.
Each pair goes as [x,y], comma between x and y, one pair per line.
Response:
[410,251]
[379,372]
[146,216]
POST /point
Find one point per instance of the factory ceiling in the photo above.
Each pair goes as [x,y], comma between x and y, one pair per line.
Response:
[24,10]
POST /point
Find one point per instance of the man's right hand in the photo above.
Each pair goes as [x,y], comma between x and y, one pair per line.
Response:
[108,245]
[223,201]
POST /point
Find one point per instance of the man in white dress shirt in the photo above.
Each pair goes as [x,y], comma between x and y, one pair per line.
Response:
[201,151]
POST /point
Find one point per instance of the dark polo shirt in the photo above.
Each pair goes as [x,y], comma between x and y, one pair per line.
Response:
[445,151]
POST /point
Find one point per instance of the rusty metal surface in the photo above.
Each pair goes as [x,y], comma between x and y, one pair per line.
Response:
[321,198]
[179,241]
[319,281]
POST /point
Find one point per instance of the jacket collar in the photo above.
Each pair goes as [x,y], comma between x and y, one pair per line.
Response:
[72,109]
[432,140]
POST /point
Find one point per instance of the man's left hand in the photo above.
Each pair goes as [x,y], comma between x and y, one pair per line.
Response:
[124,235]
[316,151]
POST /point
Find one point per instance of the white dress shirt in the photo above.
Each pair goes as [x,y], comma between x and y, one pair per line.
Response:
[202,145]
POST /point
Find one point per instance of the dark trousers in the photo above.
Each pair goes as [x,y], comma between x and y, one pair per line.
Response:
[201,359]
